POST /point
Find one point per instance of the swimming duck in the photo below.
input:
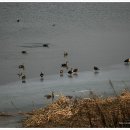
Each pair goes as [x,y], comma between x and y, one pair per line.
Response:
[23,77]
[61,72]
[127,61]
[75,71]
[65,65]
[65,54]
[24,52]
[48,96]
[45,45]
[70,71]
[41,75]
[21,67]
[96,69]
[18,20]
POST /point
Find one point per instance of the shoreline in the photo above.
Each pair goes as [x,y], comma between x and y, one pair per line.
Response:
[82,113]
[34,90]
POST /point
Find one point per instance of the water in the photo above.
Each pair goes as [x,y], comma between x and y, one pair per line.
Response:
[31,93]
[92,33]
[24,97]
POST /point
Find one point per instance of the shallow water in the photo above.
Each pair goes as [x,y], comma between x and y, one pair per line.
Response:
[20,96]
[30,94]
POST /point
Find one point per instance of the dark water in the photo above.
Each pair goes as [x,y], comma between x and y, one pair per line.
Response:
[92,33]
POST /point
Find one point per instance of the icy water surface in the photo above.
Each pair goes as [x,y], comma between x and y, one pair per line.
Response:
[20,96]
[30,94]
[92,34]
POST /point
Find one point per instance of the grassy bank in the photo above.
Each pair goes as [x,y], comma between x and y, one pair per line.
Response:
[93,112]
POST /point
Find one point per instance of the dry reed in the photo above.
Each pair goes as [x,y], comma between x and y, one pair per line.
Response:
[79,113]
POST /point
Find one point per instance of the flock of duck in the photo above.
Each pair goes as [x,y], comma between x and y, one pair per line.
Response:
[22,75]
[71,71]
[64,66]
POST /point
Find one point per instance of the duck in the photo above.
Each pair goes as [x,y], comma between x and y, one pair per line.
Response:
[24,52]
[70,71]
[96,69]
[21,67]
[41,75]
[61,72]
[48,96]
[18,20]
[75,71]
[127,61]
[65,65]
[45,45]
[23,77]
[65,54]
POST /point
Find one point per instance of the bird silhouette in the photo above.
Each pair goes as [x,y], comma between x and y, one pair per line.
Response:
[48,96]
[96,69]
[41,75]
[21,67]
[65,65]
[18,20]
[24,52]
[75,71]
[46,45]
[70,72]
[61,72]
[65,54]
[127,61]
[23,78]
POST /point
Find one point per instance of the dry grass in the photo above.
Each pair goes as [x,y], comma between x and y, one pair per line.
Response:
[94,112]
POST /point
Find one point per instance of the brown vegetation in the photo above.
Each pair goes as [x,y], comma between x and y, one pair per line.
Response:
[93,112]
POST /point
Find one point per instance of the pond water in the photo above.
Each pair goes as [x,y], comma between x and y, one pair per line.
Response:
[93,34]
[20,96]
